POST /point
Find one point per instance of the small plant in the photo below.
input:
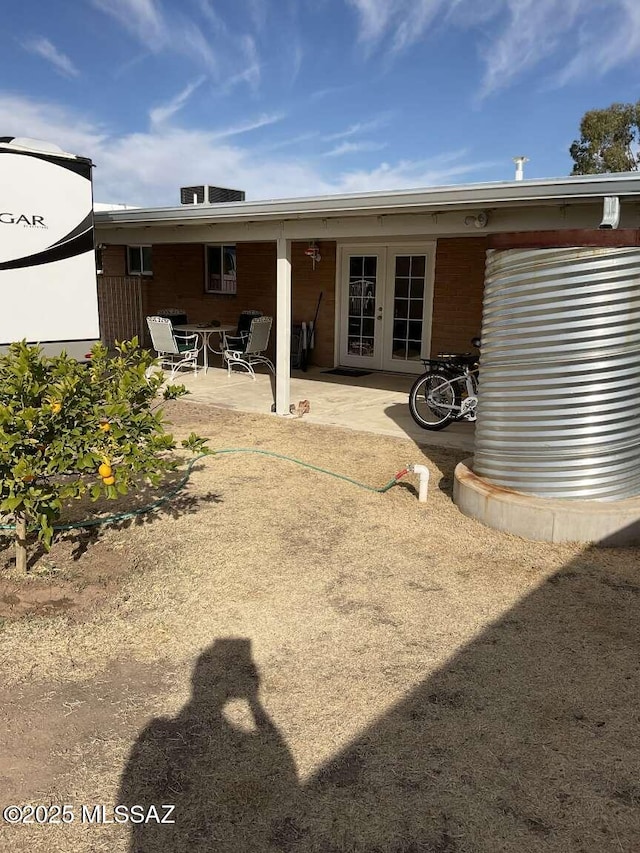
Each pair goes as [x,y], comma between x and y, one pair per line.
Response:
[68,429]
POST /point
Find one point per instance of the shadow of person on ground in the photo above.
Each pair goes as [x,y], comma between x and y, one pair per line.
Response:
[527,739]
[231,782]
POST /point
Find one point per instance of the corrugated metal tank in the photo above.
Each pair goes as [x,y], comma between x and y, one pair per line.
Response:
[559,400]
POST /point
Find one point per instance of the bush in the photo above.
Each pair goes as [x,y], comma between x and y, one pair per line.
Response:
[68,429]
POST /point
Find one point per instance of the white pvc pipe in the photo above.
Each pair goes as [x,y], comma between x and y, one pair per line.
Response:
[423,473]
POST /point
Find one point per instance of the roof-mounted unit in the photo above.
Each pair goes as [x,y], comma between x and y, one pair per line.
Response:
[205,194]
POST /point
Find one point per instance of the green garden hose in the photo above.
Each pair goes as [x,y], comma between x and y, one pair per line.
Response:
[123,516]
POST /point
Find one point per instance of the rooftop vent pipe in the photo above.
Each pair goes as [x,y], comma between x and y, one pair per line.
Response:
[520,161]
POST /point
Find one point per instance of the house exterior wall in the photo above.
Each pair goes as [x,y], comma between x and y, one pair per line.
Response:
[307,283]
[457,293]
[178,282]
[114,261]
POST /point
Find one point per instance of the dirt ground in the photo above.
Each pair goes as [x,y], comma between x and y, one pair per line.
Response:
[300,665]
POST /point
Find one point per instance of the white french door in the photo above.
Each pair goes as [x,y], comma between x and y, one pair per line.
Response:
[386,303]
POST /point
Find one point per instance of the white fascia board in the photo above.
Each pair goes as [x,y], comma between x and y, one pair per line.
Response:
[508,193]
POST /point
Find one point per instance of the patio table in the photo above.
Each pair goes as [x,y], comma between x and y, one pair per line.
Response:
[204,331]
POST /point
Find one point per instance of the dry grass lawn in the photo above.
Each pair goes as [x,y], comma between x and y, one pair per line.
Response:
[301,665]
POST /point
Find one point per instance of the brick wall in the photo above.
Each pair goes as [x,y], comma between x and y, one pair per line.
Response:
[178,282]
[306,286]
[458,290]
[114,260]
[257,289]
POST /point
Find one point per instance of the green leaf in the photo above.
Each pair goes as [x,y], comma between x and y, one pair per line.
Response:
[11,504]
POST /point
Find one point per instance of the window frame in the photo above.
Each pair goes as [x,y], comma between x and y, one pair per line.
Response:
[140,248]
[222,291]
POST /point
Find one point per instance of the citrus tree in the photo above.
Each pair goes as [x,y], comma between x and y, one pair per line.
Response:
[69,429]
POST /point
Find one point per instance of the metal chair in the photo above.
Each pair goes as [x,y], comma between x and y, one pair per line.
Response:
[247,351]
[242,329]
[174,349]
[178,316]
[244,321]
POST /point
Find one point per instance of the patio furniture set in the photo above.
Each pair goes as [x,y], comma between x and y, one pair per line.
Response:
[178,343]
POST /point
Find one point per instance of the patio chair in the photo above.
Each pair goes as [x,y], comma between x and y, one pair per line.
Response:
[174,349]
[247,351]
[244,321]
[244,324]
[178,316]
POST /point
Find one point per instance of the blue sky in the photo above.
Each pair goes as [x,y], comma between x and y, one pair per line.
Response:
[285,98]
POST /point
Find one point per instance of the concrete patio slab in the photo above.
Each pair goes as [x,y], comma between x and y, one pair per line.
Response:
[375,403]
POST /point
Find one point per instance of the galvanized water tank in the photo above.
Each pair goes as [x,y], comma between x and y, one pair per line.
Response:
[559,401]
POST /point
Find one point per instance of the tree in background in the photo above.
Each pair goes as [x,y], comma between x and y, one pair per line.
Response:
[608,140]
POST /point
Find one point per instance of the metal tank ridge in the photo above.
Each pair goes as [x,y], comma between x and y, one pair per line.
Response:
[559,399]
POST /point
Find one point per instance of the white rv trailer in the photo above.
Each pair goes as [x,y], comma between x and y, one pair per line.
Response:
[47,257]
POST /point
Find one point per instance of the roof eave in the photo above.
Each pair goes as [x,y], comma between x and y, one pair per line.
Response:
[515,193]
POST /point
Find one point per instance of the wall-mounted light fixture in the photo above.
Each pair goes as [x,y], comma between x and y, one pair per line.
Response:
[479,221]
[313,252]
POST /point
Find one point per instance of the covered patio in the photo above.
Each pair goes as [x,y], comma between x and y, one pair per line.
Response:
[376,403]
[401,273]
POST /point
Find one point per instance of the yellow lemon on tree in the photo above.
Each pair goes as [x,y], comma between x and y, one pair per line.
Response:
[109,481]
[56,407]
[105,470]
[105,426]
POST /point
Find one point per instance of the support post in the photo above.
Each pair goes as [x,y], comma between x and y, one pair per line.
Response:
[283,326]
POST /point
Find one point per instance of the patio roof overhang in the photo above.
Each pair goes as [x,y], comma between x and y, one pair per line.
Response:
[557,191]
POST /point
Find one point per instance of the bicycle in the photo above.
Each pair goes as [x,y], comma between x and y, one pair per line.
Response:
[448,391]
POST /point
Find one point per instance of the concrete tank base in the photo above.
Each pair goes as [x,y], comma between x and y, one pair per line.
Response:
[610,523]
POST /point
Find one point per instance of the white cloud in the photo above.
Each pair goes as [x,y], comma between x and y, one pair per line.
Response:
[42,120]
[209,43]
[403,21]
[252,72]
[163,112]
[359,127]
[258,10]
[214,19]
[375,17]
[614,41]
[354,148]
[286,143]
[407,174]
[533,31]
[189,39]
[297,57]
[143,19]
[246,127]
[47,50]
[147,168]
[517,35]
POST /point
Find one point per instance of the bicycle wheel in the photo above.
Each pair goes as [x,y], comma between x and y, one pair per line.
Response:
[434,401]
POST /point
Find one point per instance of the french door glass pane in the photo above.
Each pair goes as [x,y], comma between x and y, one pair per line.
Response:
[408,306]
[363,280]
